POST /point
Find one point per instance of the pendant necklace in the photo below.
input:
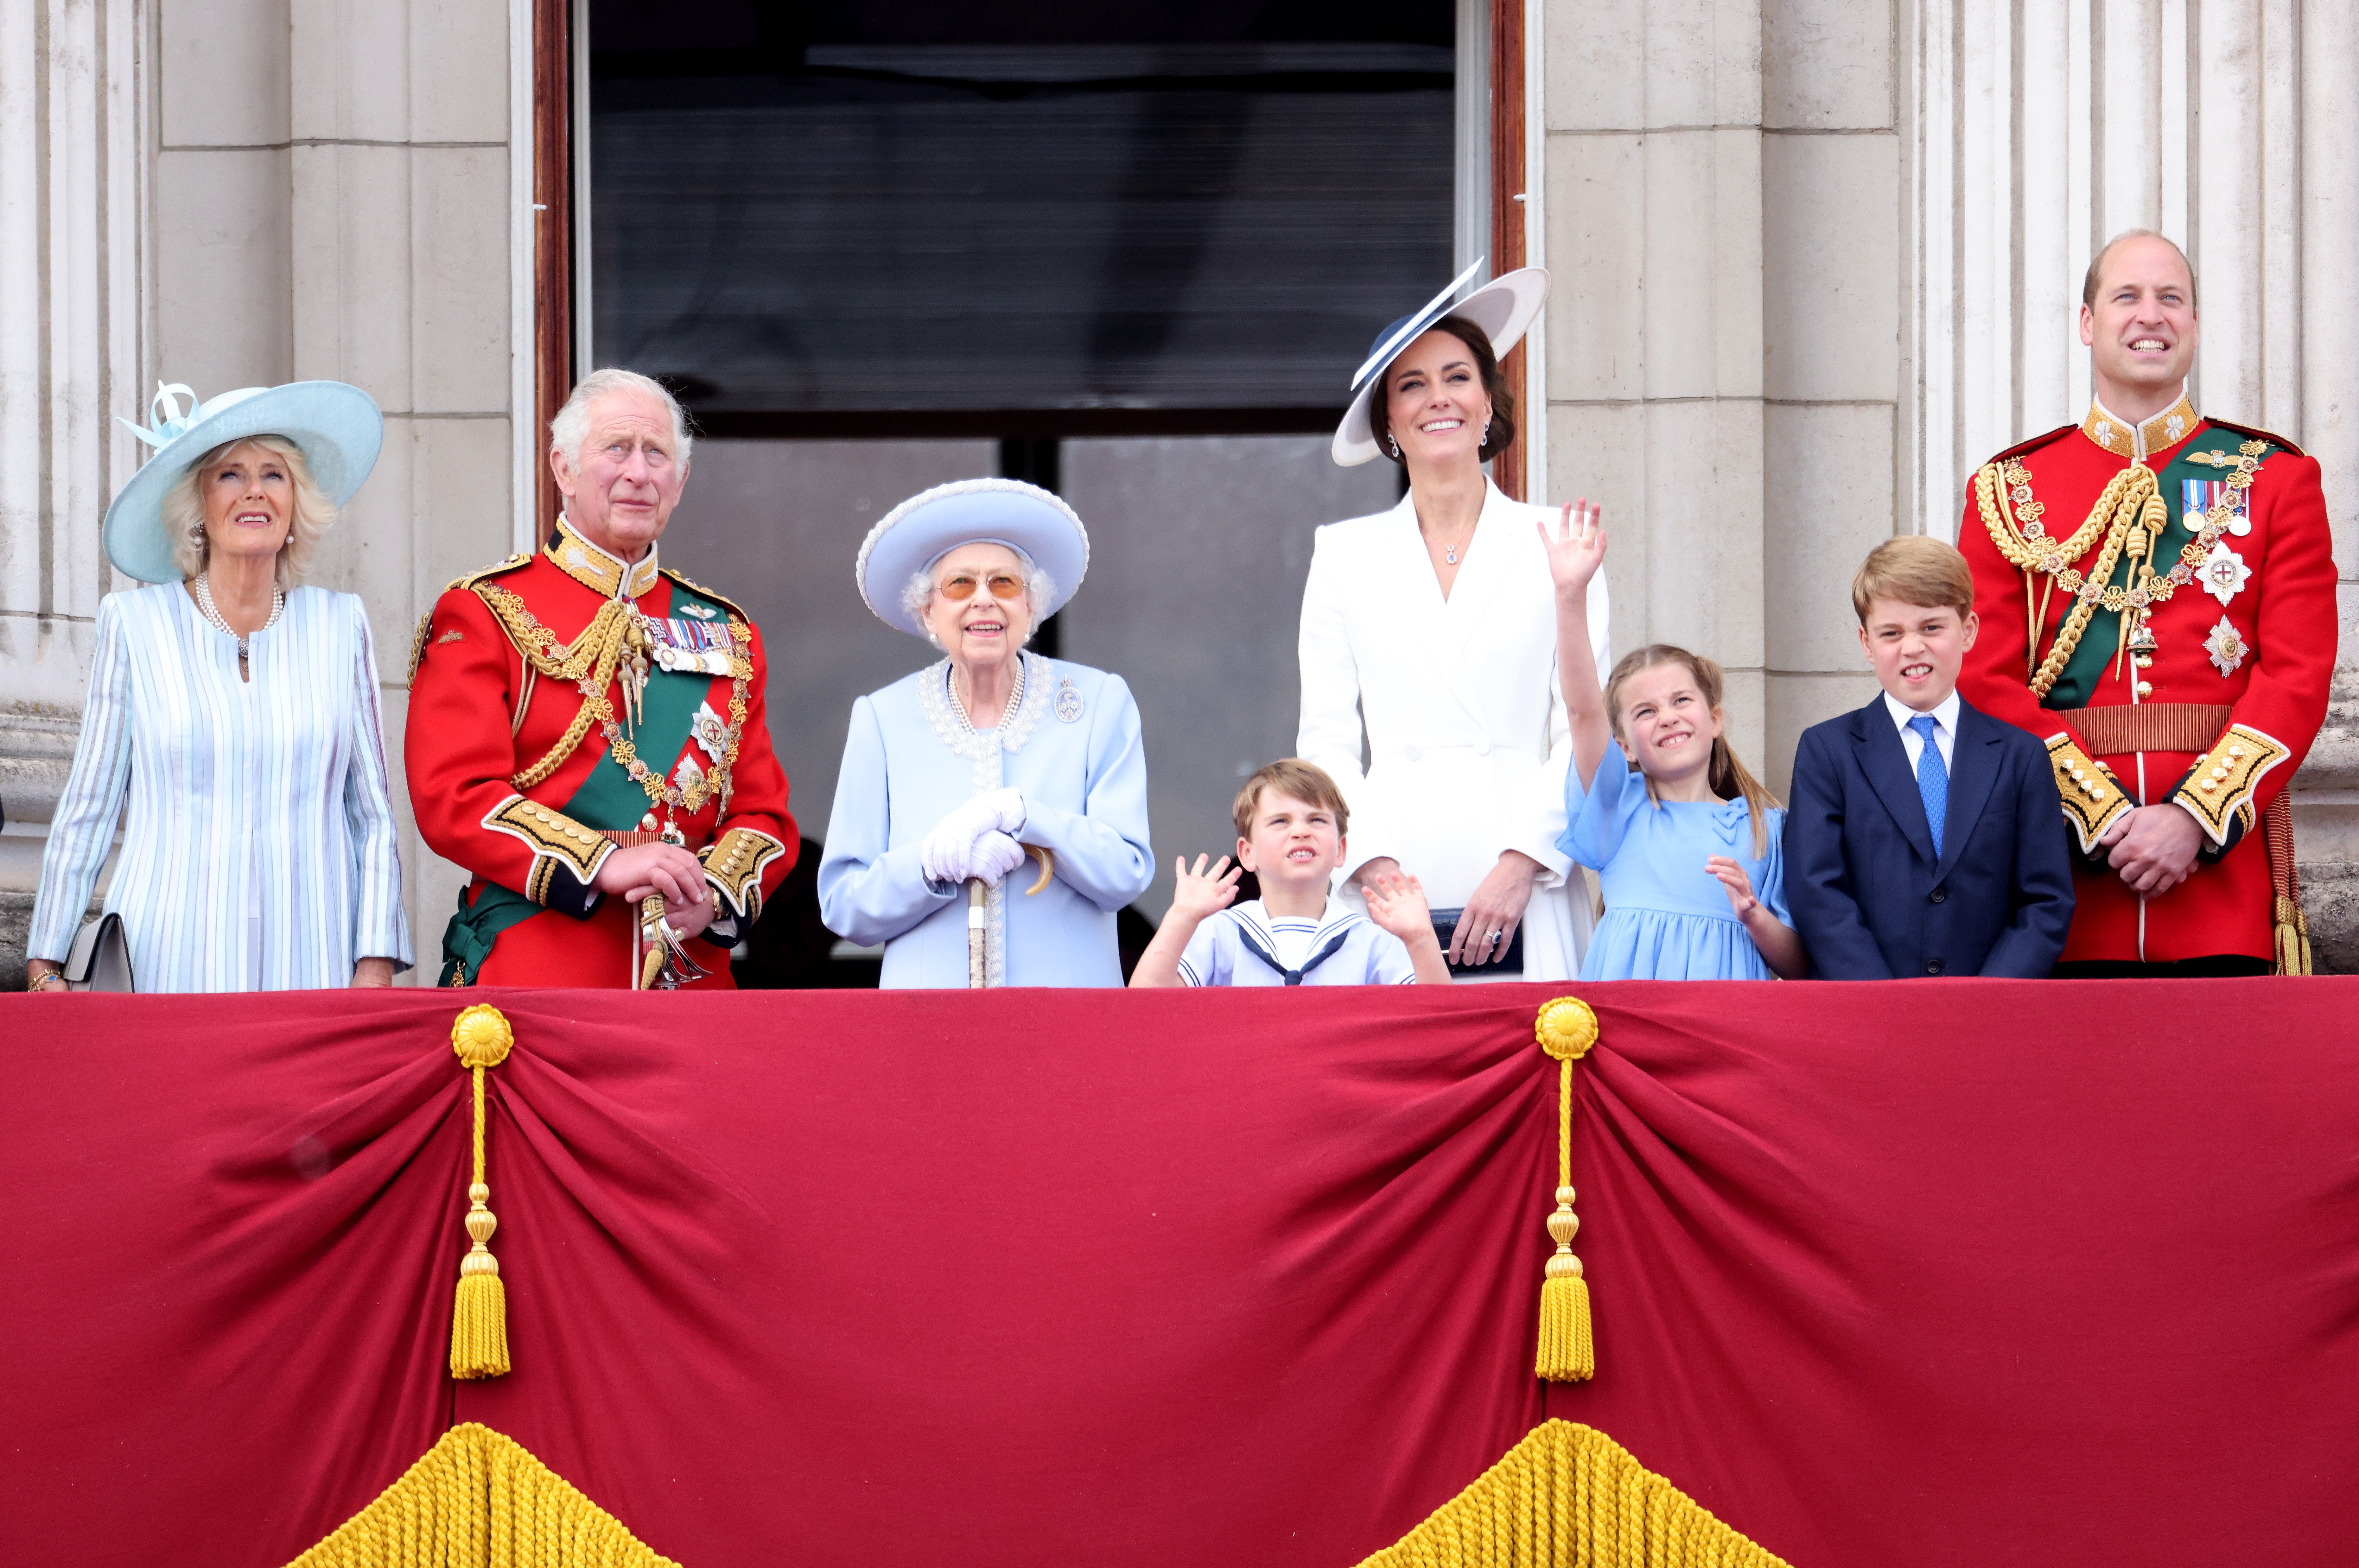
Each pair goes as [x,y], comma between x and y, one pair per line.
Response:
[1449,551]
[204,593]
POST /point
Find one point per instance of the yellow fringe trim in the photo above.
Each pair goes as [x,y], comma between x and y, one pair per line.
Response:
[478,1499]
[1570,1496]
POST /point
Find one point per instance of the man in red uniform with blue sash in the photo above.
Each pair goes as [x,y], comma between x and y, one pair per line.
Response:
[2156,594]
[587,734]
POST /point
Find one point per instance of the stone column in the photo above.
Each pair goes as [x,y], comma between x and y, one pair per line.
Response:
[73,350]
[1722,209]
[293,188]
[2039,131]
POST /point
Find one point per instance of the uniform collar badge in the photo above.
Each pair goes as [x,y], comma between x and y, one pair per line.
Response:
[2137,441]
[593,567]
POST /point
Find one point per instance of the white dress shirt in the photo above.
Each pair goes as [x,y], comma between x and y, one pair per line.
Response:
[1945,727]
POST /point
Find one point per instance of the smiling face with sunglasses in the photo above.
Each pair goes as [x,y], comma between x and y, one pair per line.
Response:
[981,613]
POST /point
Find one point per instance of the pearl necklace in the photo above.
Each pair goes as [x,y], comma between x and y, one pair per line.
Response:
[205,603]
[1015,698]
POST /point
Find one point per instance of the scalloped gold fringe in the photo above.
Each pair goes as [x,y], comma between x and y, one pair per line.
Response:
[1570,1496]
[478,1499]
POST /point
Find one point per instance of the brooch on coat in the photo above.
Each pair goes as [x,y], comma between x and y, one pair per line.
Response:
[1068,702]
[2227,646]
[2223,572]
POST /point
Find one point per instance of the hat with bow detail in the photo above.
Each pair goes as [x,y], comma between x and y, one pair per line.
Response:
[338,428]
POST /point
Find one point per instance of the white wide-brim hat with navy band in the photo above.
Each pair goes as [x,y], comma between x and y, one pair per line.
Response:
[923,529]
[1503,307]
[338,428]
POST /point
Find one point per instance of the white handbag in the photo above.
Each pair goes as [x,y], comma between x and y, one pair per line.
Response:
[101,959]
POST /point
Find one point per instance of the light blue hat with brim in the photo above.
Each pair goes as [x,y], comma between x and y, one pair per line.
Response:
[929,525]
[338,428]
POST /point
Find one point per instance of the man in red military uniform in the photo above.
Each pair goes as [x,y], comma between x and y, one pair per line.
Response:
[2156,594]
[586,732]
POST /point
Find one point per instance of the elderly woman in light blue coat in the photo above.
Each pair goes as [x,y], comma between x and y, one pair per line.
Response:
[991,763]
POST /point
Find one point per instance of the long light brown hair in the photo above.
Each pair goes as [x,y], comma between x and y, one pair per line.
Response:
[1728,777]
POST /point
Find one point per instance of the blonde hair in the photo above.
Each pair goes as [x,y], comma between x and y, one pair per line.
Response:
[1728,777]
[183,511]
[1290,775]
[1917,569]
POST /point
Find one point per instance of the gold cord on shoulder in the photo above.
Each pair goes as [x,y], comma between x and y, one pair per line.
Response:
[589,663]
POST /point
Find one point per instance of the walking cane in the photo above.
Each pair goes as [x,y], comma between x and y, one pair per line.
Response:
[974,934]
[974,916]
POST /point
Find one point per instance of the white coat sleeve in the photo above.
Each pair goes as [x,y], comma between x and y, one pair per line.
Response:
[1330,734]
[1543,818]
[82,829]
[1101,850]
[870,891]
[380,923]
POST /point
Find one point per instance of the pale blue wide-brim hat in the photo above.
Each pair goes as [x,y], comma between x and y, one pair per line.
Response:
[914,534]
[338,428]
[1503,308]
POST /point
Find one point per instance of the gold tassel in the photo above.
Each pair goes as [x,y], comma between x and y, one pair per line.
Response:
[1566,1030]
[479,1321]
[2292,939]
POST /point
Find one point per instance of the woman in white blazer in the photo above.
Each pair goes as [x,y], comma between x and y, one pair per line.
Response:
[1428,635]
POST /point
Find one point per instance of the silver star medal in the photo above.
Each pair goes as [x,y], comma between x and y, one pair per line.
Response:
[2227,646]
[2223,572]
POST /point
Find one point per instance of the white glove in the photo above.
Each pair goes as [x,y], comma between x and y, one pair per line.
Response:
[1007,809]
[947,853]
[995,855]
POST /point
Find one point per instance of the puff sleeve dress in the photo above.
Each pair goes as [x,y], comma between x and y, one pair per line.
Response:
[1667,918]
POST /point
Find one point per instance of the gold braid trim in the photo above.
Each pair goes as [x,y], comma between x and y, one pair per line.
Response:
[590,664]
[552,836]
[1570,1495]
[2092,800]
[2133,497]
[734,864]
[480,1497]
[2218,789]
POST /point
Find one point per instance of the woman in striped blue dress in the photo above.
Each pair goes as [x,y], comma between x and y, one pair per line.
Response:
[231,727]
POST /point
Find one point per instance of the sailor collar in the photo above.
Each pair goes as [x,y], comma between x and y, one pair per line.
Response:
[593,568]
[2135,441]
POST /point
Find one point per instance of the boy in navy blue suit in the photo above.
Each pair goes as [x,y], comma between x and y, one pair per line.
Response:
[1920,835]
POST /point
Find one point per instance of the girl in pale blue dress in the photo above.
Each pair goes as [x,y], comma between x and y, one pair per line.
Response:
[1685,843]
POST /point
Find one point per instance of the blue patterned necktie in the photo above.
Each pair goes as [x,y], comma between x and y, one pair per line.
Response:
[1932,779]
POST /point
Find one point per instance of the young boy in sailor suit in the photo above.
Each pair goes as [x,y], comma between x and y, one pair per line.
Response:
[1290,819]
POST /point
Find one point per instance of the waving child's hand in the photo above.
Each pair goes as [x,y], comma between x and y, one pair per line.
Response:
[1197,893]
[1576,550]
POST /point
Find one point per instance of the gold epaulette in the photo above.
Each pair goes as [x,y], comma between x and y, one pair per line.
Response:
[426,621]
[2219,788]
[2094,800]
[695,587]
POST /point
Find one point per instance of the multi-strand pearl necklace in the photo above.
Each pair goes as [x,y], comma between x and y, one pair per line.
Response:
[1014,697]
[205,603]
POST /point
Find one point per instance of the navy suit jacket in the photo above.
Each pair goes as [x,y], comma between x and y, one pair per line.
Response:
[1868,896]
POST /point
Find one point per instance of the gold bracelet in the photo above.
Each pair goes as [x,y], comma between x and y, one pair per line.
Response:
[41,982]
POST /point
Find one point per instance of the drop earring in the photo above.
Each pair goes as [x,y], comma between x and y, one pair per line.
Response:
[1393,441]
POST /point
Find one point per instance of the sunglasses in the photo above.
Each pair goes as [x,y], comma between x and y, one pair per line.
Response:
[999,585]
